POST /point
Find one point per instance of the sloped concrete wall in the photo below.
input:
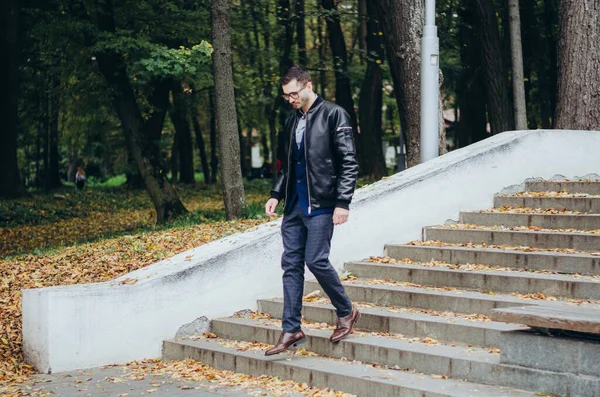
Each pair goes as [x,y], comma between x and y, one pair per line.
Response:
[72,327]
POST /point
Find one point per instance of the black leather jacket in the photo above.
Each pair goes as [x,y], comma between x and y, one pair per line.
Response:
[331,166]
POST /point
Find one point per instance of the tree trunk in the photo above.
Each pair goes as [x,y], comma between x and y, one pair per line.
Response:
[273,136]
[540,63]
[322,59]
[199,140]
[496,78]
[265,146]
[10,181]
[402,22]
[248,152]
[363,18]
[214,158]
[53,174]
[185,148]
[45,130]
[471,126]
[133,179]
[519,103]
[533,68]
[268,88]
[343,90]
[244,167]
[550,21]
[301,33]
[201,148]
[284,19]
[175,158]
[278,137]
[38,154]
[371,101]
[226,117]
[112,66]
[578,105]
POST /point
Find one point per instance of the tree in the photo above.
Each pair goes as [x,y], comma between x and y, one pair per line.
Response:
[471,84]
[138,130]
[10,184]
[496,78]
[226,116]
[194,116]
[343,90]
[402,22]
[53,111]
[371,101]
[185,150]
[322,55]
[301,33]
[520,105]
[578,105]
[214,158]
[279,138]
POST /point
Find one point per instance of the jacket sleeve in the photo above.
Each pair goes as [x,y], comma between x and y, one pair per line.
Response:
[280,182]
[278,191]
[345,152]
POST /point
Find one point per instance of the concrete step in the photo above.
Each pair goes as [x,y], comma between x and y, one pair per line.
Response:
[457,362]
[581,204]
[579,241]
[546,221]
[452,300]
[484,280]
[360,379]
[556,262]
[447,327]
[588,187]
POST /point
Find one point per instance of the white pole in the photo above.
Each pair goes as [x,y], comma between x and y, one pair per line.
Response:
[430,92]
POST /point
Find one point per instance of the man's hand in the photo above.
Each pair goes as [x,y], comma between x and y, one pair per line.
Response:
[270,207]
[340,216]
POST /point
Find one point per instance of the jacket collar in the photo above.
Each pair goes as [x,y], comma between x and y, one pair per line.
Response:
[313,107]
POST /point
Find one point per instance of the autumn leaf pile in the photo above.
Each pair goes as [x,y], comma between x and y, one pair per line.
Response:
[190,370]
[59,224]
[552,195]
[475,267]
[524,248]
[466,226]
[525,210]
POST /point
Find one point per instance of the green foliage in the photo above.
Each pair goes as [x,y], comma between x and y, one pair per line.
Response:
[176,62]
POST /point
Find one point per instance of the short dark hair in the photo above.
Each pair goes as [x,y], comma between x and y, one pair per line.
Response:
[296,72]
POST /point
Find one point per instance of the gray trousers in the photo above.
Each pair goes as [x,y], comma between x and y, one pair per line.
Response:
[307,239]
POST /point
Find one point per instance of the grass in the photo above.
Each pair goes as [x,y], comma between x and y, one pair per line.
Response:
[42,222]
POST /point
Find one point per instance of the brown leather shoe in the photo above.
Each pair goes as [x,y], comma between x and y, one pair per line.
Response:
[344,325]
[287,340]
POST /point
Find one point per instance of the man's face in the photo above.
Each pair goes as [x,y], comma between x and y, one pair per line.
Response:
[298,95]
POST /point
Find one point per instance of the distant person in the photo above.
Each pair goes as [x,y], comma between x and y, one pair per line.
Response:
[79,179]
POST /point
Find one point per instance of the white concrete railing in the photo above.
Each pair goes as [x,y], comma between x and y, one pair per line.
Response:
[81,326]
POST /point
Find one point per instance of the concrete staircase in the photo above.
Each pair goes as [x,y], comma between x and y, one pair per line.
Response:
[425,328]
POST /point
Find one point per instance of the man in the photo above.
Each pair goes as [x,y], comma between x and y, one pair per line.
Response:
[317,185]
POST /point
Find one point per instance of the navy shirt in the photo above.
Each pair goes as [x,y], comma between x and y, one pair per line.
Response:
[300,184]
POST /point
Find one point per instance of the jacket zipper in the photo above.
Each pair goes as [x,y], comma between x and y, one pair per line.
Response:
[306,162]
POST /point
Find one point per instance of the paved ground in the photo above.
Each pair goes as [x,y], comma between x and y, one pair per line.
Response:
[113,382]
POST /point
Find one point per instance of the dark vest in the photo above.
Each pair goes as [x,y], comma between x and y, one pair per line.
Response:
[299,183]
